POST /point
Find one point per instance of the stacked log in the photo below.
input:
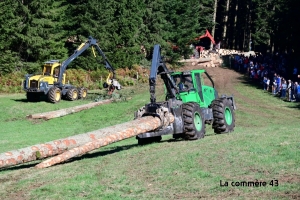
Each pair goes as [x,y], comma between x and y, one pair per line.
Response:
[210,58]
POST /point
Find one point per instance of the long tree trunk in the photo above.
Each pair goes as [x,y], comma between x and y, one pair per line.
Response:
[272,48]
[106,135]
[134,130]
[235,31]
[247,29]
[66,111]
[250,26]
[214,22]
[225,20]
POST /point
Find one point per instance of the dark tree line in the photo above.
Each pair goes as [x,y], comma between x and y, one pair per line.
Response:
[271,25]
[33,31]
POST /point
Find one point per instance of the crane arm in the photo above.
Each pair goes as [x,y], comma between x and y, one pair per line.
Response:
[207,34]
[90,42]
[159,67]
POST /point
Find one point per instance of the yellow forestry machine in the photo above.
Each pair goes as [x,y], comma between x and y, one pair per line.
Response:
[52,82]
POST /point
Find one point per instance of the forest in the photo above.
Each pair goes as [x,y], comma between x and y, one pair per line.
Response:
[34,31]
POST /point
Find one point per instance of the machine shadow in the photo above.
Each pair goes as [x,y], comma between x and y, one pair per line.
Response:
[117,149]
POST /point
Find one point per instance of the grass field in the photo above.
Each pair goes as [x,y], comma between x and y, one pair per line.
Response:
[263,148]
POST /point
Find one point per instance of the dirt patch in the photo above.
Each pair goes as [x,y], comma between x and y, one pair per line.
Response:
[223,78]
[290,178]
[225,81]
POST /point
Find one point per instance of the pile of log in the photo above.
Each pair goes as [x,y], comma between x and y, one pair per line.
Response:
[209,58]
[64,149]
[219,52]
[225,52]
[213,61]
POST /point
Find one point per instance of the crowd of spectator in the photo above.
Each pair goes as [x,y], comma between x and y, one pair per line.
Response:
[271,72]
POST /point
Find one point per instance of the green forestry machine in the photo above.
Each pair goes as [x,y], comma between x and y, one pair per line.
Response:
[52,82]
[191,101]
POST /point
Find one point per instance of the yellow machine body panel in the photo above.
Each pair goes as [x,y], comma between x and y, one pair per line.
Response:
[50,75]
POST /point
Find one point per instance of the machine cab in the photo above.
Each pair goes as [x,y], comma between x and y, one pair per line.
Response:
[195,86]
[52,68]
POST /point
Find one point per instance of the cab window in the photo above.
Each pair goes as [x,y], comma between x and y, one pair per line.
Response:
[206,80]
[183,82]
[56,72]
[47,70]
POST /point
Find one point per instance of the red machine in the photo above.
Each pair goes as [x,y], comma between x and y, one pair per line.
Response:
[198,48]
[207,34]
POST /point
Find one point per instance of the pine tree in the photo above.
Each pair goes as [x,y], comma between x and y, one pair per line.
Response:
[33,31]
[153,24]
[185,23]
[11,18]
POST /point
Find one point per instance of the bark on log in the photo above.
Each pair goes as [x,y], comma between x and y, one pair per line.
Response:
[66,111]
[134,129]
[39,151]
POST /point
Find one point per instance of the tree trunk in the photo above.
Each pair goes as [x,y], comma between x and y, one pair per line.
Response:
[127,132]
[250,26]
[97,138]
[247,30]
[225,20]
[66,111]
[214,22]
[235,25]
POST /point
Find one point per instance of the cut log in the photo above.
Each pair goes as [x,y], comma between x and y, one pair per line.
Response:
[109,134]
[67,111]
[127,132]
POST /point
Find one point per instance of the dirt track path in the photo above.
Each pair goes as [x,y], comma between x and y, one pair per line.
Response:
[224,78]
[226,82]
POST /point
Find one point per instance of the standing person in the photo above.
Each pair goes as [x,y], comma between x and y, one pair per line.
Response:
[268,84]
[294,91]
[295,73]
[289,90]
[265,83]
[298,93]
[274,86]
[283,89]
[278,84]
[240,63]
[246,63]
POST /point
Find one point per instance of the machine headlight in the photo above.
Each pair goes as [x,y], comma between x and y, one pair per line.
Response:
[43,85]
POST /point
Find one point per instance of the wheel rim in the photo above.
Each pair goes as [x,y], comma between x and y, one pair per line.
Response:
[84,93]
[57,95]
[228,116]
[75,94]
[198,121]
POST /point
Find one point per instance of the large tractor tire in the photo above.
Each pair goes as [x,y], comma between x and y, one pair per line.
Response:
[32,96]
[54,95]
[194,127]
[224,119]
[72,94]
[82,93]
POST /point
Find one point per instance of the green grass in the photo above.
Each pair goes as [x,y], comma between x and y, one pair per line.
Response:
[264,146]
